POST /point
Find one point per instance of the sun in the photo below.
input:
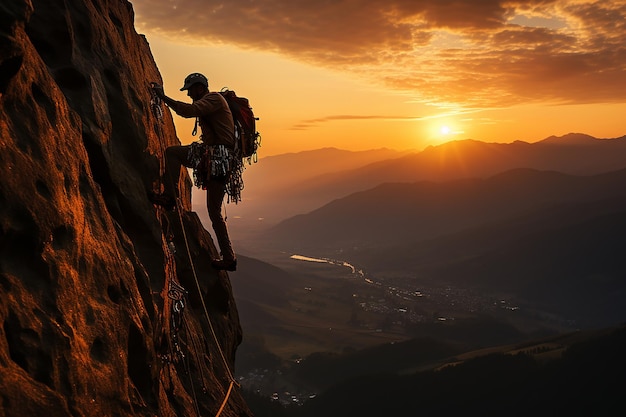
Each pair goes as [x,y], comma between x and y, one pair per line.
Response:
[443,130]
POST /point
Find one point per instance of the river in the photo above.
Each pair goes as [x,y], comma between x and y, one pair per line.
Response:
[359,272]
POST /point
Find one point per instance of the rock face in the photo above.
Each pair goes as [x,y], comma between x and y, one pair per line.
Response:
[88,326]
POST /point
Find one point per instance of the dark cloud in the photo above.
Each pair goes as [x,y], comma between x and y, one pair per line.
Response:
[470,52]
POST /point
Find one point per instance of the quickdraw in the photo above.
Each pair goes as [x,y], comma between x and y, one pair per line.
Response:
[155,104]
[235,182]
[177,294]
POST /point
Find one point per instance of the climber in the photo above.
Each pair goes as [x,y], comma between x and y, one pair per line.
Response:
[210,158]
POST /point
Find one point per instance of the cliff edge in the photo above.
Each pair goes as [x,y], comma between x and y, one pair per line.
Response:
[108,305]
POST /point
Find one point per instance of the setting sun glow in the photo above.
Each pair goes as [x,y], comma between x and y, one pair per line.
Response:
[402,68]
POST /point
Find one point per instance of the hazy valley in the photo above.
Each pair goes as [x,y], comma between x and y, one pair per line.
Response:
[523,243]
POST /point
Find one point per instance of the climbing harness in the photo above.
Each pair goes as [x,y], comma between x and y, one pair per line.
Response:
[219,162]
[208,161]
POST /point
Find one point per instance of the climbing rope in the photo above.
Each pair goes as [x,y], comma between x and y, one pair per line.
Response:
[177,293]
[230,388]
[206,312]
[195,276]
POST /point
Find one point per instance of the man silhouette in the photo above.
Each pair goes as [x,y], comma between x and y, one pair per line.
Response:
[211,158]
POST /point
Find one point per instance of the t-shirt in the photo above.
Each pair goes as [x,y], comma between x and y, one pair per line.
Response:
[216,120]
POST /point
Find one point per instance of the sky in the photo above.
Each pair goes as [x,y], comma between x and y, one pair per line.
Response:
[399,74]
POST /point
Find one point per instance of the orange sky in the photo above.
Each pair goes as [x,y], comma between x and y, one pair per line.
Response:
[402,74]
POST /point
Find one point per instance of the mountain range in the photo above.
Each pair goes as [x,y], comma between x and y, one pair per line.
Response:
[272,187]
[282,186]
[402,213]
[551,237]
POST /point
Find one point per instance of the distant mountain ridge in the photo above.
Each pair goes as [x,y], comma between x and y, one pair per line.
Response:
[289,169]
[410,212]
[278,193]
[270,183]
[550,238]
[571,154]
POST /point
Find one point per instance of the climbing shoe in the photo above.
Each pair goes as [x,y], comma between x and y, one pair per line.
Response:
[224,265]
[168,203]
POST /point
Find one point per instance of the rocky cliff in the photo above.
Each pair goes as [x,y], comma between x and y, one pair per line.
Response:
[91,319]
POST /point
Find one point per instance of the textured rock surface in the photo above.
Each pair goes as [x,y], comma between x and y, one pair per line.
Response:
[84,261]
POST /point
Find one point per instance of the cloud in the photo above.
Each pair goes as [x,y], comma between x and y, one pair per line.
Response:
[467,52]
[305,124]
